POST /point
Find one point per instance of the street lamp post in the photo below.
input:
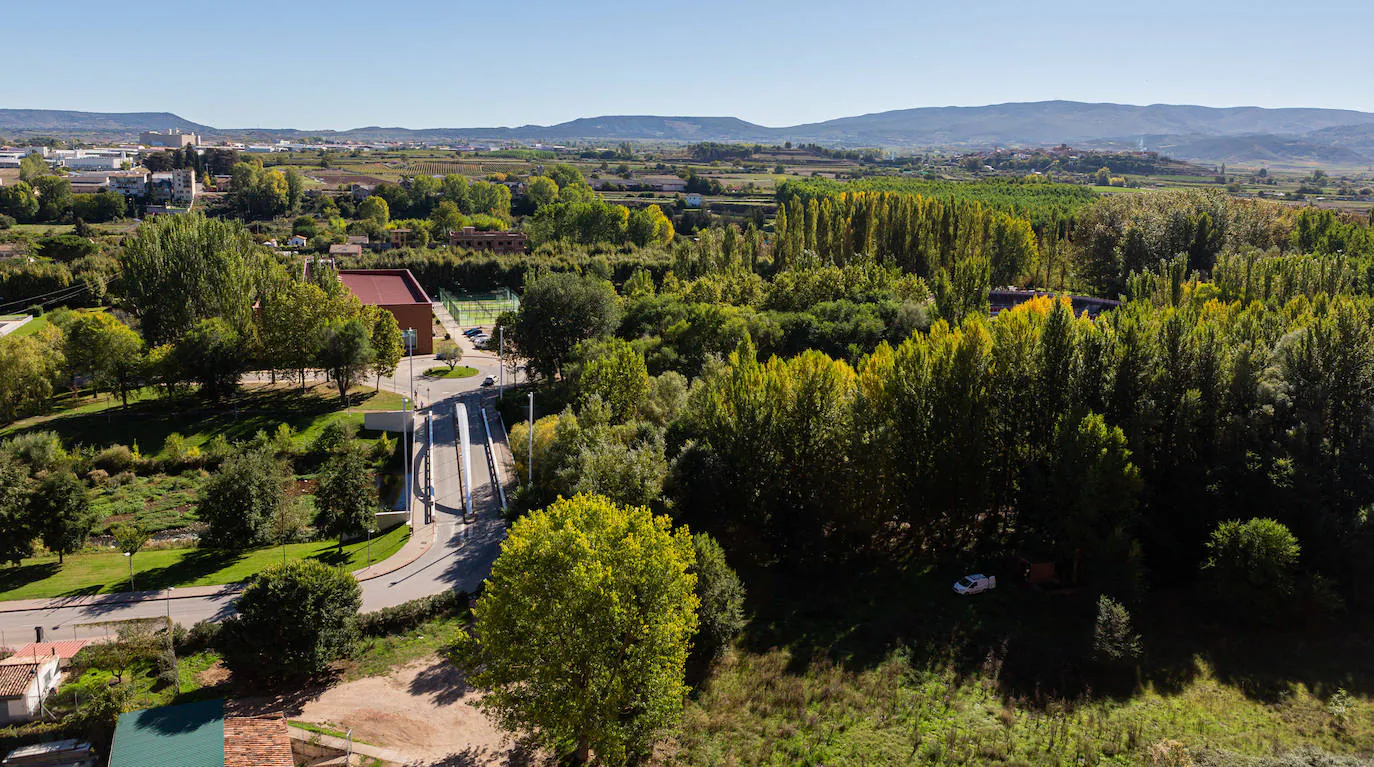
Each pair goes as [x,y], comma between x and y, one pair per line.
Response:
[131,570]
[370,531]
[405,460]
[410,351]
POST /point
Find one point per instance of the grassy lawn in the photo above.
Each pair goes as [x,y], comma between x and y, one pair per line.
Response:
[149,419]
[380,655]
[876,669]
[108,572]
[757,710]
[30,327]
[442,371]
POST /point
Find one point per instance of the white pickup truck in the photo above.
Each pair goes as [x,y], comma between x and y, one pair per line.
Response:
[975,584]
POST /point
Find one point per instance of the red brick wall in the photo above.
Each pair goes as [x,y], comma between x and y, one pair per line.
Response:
[420,317]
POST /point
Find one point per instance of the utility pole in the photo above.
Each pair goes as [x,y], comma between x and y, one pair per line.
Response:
[410,344]
[171,647]
[407,432]
[531,453]
[501,360]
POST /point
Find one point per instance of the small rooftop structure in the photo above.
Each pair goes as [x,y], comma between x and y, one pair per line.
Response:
[63,650]
[345,249]
[58,753]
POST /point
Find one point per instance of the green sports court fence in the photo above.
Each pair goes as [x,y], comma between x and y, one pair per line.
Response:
[479,308]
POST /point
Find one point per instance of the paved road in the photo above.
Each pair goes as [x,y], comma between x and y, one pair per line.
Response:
[463,551]
[460,557]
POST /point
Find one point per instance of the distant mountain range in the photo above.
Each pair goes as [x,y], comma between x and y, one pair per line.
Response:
[1236,134]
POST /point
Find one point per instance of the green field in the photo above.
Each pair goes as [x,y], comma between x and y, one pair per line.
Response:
[108,572]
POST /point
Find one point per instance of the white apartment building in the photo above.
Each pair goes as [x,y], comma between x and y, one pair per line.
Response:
[130,183]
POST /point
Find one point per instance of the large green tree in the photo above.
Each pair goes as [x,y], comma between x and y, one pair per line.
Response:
[54,197]
[614,371]
[346,496]
[62,513]
[541,191]
[623,578]
[345,352]
[106,350]
[240,500]
[293,620]
[29,369]
[18,201]
[32,166]
[212,353]
[558,311]
[386,341]
[16,520]
[180,270]
[1253,567]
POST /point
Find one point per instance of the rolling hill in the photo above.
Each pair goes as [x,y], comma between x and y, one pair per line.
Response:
[1233,134]
[61,122]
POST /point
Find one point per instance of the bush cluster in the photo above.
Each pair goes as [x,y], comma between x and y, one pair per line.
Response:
[408,615]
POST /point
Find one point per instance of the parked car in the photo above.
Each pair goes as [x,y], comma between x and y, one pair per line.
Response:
[489,381]
[480,341]
[975,584]
[470,332]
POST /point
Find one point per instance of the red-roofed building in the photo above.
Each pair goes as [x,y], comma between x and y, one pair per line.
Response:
[257,741]
[396,291]
[64,651]
[23,686]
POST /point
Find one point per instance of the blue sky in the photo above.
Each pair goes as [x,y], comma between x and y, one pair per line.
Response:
[447,63]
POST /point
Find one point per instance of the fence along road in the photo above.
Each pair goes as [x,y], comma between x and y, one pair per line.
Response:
[460,558]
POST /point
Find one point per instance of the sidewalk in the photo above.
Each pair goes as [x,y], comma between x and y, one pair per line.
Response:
[419,542]
[446,320]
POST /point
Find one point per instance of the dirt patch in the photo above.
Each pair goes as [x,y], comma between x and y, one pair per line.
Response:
[301,487]
[424,710]
[215,675]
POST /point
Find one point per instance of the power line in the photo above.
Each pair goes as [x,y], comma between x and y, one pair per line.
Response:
[17,301]
[36,299]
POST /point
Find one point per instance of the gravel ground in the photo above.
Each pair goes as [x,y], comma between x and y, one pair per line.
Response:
[423,710]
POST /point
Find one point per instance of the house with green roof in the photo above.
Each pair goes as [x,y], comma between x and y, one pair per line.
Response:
[193,735]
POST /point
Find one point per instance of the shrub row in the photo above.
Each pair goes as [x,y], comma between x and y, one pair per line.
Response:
[408,615]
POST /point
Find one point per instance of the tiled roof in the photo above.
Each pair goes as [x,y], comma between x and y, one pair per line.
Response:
[65,649]
[16,678]
[256,742]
